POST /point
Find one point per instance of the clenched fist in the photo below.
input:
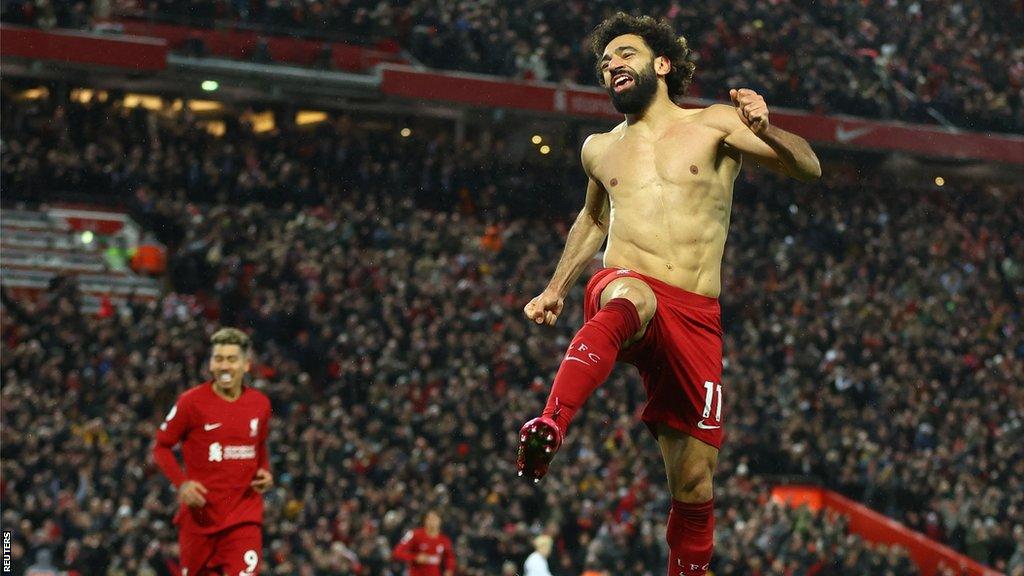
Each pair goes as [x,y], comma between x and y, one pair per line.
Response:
[544,309]
[192,493]
[751,107]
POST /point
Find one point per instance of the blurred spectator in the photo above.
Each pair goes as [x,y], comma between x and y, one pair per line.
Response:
[43,566]
[537,562]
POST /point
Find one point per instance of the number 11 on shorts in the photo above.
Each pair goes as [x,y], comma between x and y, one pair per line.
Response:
[709,397]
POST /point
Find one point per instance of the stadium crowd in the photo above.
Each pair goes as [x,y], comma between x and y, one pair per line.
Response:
[961,59]
[872,341]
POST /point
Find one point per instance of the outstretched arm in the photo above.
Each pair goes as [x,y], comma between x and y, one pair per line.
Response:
[749,131]
[586,236]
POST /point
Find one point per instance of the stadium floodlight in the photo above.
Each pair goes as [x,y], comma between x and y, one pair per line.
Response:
[537,139]
[545,149]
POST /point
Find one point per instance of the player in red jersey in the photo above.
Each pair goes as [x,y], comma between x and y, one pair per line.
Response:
[426,550]
[659,190]
[222,427]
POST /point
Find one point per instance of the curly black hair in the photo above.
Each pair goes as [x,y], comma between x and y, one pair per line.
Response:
[659,36]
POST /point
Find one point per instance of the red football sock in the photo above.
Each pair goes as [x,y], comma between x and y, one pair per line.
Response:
[690,535]
[590,359]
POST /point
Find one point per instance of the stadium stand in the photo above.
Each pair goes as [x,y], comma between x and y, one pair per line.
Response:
[952,62]
[40,248]
[869,327]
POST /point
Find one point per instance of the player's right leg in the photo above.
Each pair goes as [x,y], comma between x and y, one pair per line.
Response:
[625,307]
[195,550]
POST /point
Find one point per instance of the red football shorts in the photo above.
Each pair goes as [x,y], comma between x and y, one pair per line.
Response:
[236,551]
[679,357]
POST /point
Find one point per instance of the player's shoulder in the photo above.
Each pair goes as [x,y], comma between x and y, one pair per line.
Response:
[194,393]
[595,144]
[258,396]
[715,110]
[602,139]
[410,535]
[719,116]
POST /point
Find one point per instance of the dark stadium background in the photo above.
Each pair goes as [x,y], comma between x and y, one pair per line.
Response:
[374,189]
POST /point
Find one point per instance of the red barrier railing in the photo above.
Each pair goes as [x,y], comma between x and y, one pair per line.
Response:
[874,527]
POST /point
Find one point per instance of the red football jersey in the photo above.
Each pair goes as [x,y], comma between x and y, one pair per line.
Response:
[437,553]
[223,444]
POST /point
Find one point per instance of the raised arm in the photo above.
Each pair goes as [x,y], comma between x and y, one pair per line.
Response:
[748,130]
[586,236]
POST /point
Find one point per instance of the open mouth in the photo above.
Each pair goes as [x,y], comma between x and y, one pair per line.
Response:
[622,81]
[225,377]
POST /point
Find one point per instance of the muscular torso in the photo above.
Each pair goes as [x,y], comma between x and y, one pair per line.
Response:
[670,197]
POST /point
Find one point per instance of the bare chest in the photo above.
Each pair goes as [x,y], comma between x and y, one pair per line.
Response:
[684,162]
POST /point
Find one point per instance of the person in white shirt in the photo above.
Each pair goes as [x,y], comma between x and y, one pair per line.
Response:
[537,563]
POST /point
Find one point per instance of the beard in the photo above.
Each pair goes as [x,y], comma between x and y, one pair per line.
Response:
[637,98]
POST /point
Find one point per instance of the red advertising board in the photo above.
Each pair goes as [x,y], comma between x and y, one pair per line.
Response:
[128,52]
[582,101]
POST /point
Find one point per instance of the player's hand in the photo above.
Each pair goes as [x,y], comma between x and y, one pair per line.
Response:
[423,558]
[544,309]
[751,107]
[262,481]
[192,493]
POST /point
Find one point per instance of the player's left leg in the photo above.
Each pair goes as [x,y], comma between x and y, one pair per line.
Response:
[627,305]
[240,550]
[690,465]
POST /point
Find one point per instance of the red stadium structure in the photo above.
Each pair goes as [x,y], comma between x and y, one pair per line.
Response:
[875,527]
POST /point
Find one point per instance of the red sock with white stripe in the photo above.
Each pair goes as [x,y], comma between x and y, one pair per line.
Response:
[690,536]
[590,359]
